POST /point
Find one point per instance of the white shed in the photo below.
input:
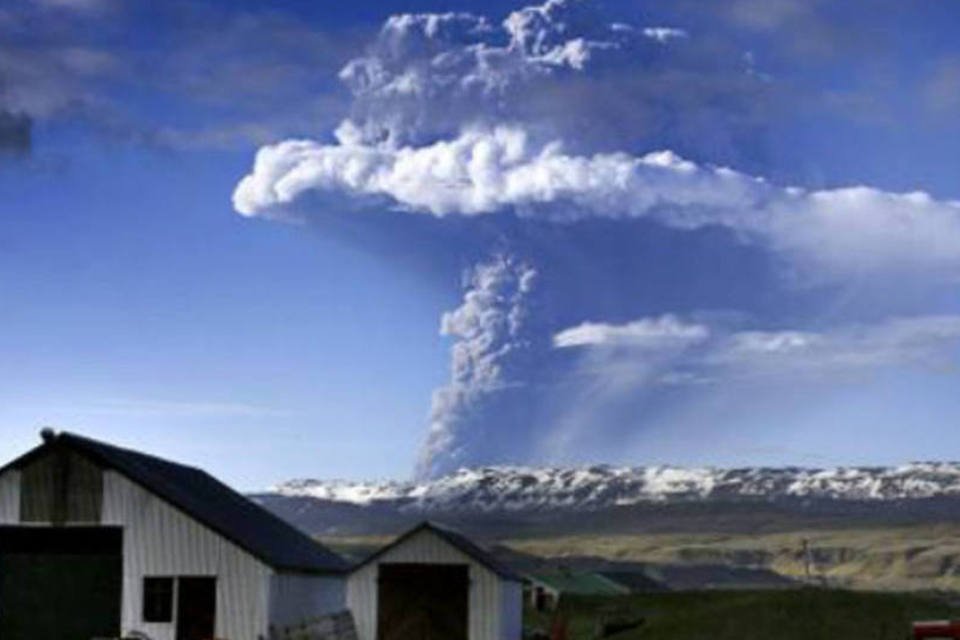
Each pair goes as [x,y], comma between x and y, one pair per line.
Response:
[435,583]
[98,541]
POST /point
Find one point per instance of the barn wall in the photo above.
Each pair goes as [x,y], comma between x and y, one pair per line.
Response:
[427,548]
[60,487]
[296,597]
[511,610]
[160,540]
[10,497]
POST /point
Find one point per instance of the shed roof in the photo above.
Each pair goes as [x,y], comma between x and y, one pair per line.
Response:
[581,583]
[204,498]
[457,540]
[634,580]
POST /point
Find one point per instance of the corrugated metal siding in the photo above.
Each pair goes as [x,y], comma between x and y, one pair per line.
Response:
[295,597]
[511,610]
[38,491]
[61,487]
[10,497]
[486,595]
[159,540]
[84,490]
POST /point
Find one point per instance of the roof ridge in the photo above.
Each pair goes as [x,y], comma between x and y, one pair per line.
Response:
[455,538]
[69,435]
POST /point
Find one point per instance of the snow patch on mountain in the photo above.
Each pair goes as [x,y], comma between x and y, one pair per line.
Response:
[530,488]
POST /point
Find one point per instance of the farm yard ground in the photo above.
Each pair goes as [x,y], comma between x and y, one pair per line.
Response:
[797,614]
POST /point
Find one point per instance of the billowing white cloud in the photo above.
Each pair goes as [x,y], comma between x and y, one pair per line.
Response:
[664,332]
[838,232]
[486,171]
[426,75]
[441,124]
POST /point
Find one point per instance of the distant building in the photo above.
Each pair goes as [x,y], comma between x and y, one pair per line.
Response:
[635,581]
[433,582]
[544,590]
[98,541]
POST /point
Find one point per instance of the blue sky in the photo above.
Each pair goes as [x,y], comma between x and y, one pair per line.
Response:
[720,323]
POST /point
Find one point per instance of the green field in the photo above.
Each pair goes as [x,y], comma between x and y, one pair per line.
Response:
[804,614]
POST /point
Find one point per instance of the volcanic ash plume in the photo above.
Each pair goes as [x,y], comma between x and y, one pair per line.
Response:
[490,361]
[670,278]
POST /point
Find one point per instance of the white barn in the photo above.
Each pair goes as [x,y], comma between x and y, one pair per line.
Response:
[433,582]
[98,541]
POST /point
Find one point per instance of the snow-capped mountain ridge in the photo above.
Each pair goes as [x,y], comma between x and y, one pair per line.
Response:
[596,487]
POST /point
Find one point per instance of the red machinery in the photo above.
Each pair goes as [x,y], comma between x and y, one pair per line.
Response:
[936,630]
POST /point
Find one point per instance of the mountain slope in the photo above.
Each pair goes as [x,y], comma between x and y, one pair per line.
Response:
[535,501]
[522,488]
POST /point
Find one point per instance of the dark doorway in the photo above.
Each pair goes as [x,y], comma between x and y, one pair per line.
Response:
[60,583]
[196,608]
[423,602]
[541,599]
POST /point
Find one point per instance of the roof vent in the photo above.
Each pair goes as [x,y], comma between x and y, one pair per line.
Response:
[48,434]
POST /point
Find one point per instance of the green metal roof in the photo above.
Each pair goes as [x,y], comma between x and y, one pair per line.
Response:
[581,583]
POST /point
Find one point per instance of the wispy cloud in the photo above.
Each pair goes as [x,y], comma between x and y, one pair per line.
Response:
[719,355]
[76,5]
[267,73]
[941,90]
[15,133]
[663,333]
[143,408]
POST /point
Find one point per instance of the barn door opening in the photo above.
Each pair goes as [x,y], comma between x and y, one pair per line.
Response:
[423,602]
[60,583]
[196,608]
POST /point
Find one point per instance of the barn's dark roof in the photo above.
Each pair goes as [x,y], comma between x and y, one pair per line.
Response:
[458,540]
[207,500]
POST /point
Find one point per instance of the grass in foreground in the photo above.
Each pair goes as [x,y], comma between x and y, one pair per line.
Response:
[803,614]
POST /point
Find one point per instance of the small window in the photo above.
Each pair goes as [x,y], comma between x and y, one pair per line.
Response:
[158,599]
